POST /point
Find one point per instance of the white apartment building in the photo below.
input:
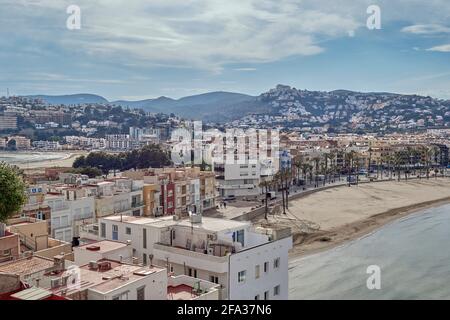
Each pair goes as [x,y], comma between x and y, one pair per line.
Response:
[47,145]
[106,249]
[8,122]
[239,179]
[247,263]
[117,196]
[69,209]
[118,142]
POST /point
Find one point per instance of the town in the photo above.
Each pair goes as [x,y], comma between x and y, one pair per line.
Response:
[124,222]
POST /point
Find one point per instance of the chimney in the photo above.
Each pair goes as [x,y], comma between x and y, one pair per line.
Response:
[60,261]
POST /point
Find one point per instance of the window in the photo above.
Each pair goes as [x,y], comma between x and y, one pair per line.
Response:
[276,290]
[140,292]
[266,295]
[128,230]
[266,266]
[257,271]
[240,237]
[192,272]
[276,263]
[214,279]
[257,297]
[144,238]
[103,230]
[144,259]
[122,296]
[115,232]
[241,276]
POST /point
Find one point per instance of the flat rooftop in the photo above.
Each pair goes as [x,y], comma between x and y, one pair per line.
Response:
[26,266]
[104,281]
[121,274]
[103,246]
[207,224]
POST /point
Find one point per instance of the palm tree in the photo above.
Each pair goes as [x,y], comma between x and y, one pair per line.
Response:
[332,157]
[278,182]
[305,168]
[349,156]
[298,163]
[265,185]
[326,157]
[399,160]
[370,161]
[316,161]
[426,156]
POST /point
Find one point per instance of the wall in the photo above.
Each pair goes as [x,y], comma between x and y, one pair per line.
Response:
[9,242]
[35,232]
[212,289]
[155,288]
[84,256]
[248,259]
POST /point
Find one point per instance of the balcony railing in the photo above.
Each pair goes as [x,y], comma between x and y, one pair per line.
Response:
[190,253]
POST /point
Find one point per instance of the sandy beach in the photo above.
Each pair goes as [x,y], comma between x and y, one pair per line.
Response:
[331,217]
[65,161]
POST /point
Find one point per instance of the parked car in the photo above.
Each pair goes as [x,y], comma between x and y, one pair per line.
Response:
[230,197]
[271,195]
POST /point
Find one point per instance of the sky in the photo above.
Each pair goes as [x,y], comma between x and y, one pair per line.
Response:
[140,49]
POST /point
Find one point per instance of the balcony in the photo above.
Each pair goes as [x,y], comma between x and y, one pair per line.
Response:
[194,259]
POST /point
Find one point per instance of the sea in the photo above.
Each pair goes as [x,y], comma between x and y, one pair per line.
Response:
[406,259]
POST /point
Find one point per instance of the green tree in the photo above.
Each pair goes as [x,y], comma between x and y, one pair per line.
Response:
[12,191]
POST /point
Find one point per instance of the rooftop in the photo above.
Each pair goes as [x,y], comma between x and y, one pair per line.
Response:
[103,246]
[27,265]
[207,223]
[120,274]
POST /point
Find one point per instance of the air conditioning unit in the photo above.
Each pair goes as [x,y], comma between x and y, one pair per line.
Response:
[93,265]
[212,237]
[55,283]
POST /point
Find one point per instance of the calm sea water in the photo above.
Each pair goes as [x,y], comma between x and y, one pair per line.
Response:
[413,254]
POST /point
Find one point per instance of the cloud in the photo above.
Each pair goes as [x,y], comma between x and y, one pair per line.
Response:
[245,69]
[426,29]
[205,34]
[442,48]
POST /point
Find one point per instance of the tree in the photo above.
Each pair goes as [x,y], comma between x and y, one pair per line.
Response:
[79,162]
[349,158]
[264,185]
[12,194]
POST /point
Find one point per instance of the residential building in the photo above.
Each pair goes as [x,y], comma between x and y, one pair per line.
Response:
[222,251]
[8,122]
[100,250]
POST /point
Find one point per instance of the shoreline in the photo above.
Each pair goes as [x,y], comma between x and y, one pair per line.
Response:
[321,241]
[67,159]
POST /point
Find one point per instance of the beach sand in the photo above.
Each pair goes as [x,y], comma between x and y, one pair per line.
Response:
[39,166]
[331,217]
